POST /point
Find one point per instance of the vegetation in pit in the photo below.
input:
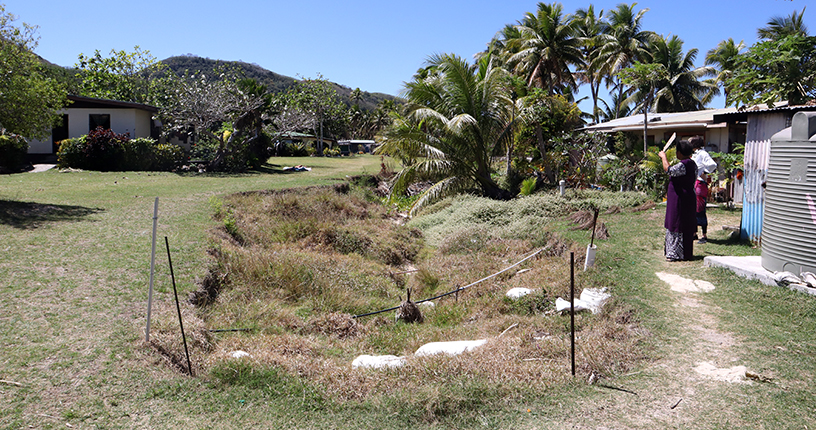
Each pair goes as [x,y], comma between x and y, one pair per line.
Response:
[297,264]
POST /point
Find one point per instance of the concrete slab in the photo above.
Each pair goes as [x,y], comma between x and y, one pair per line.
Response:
[751,268]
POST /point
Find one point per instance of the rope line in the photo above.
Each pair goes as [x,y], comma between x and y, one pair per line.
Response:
[460,288]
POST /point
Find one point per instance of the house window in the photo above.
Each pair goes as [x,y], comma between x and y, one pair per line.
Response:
[98,120]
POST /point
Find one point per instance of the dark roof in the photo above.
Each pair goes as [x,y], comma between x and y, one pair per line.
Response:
[92,103]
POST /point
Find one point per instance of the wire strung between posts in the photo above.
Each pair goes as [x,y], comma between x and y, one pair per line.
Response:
[460,288]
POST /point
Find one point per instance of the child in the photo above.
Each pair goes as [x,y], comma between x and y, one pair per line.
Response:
[705,165]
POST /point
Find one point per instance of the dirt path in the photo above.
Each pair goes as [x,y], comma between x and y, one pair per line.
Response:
[683,388]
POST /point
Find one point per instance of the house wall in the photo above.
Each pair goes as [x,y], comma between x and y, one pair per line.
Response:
[761,127]
[133,121]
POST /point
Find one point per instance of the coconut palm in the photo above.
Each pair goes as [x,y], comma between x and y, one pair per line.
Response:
[724,59]
[683,89]
[615,109]
[457,115]
[548,46]
[779,27]
[588,29]
[623,43]
[504,45]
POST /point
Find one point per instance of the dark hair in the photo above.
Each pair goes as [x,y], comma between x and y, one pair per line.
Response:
[697,142]
[684,147]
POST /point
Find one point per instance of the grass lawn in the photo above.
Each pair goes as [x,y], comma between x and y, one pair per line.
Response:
[74,264]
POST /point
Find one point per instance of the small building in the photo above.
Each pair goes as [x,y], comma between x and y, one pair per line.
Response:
[719,136]
[84,114]
[348,147]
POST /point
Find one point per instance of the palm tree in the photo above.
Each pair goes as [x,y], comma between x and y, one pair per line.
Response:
[456,117]
[504,45]
[589,28]
[779,27]
[615,109]
[623,43]
[547,47]
[682,90]
[724,58]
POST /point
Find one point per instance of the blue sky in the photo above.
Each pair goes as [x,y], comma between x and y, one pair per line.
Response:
[375,45]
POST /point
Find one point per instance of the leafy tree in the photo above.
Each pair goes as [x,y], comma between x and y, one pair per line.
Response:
[317,100]
[545,119]
[29,99]
[775,70]
[225,110]
[457,116]
[547,48]
[125,76]
[724,59]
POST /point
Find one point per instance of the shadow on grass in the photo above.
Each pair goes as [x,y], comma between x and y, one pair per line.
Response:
[29,215]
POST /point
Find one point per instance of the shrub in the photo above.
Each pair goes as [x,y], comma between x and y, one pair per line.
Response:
[167,156]
[13,150]
[138,154]
[110,152]
[104,149]
[528,186]
[71,153]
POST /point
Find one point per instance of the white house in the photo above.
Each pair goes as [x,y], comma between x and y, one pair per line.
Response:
[719,136]
[85,114]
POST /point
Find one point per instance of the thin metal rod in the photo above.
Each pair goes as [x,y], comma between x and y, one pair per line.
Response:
[178,308]
[152,267]
[572,311]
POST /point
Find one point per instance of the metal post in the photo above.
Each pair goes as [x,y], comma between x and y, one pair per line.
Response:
[178,308]
[152,267]
[572,310]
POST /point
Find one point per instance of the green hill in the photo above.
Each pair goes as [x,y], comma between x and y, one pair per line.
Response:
[275,82]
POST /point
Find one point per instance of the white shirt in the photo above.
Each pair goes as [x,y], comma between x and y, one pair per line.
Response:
[705,164]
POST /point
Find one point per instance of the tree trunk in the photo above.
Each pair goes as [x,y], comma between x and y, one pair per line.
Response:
[542,149]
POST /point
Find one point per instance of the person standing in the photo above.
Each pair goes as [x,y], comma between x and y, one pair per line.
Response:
[705,166]
[681,204]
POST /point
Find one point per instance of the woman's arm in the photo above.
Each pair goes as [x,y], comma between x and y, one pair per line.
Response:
[665,160]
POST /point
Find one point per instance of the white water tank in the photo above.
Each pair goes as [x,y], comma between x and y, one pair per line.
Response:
[789,225]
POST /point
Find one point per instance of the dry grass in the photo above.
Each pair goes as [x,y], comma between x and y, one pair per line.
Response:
[294,266]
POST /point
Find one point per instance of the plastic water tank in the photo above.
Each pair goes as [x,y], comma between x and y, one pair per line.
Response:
[789,225]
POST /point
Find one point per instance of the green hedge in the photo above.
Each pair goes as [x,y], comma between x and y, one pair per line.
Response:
[13,150]
[119,155]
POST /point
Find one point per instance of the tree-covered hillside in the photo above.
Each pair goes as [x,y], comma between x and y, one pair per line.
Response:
[275,82]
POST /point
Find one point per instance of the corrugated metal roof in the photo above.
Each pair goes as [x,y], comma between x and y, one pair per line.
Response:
[657,121]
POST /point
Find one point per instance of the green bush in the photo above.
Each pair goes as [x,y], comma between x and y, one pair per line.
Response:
[167,156]
[13,150]
[123,154]
[528,186]
[138,154]
[71,153]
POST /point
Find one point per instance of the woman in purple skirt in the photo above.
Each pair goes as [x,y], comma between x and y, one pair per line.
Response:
[681,204]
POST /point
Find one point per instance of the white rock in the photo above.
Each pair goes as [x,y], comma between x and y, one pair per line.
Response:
[240,354]
[427,305]
[451,348]
[377,361]
[518,292]
[591,299]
